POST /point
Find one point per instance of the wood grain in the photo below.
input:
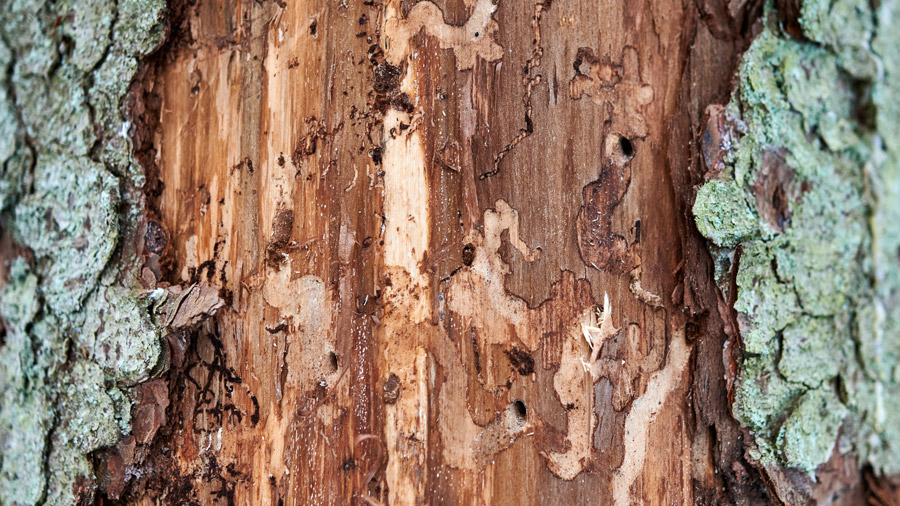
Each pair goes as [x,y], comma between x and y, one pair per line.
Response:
[412,210]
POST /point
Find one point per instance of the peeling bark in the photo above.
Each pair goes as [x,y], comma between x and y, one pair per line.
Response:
[435,252]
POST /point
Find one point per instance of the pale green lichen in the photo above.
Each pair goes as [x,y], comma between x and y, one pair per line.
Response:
[70,214]
[724,215]
[805,444]
[763,303]
[817,301]
[26,415]
[130,364]
[79,333]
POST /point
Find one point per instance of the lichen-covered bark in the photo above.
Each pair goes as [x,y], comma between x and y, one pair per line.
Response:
[802,207]
[417,212]
[80,332]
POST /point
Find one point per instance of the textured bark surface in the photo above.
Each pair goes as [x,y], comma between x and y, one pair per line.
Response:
[456,259]
[801,210]
[78,329]
[449,252]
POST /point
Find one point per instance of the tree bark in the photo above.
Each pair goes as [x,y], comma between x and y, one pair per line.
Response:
[455,255]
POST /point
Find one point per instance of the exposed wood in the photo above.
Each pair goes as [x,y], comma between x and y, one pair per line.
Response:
[415,211]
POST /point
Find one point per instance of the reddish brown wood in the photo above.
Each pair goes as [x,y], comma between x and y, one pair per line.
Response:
[411,224]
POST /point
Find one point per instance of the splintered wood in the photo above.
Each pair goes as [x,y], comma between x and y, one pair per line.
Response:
[394,329]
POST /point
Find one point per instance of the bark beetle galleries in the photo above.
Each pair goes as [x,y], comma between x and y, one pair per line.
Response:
[405,323]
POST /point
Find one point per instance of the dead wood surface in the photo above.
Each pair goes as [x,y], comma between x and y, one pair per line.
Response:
[413,209]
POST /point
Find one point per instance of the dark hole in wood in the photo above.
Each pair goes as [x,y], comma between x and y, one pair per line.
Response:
[333,361]
[627,148]
[520,410]
[468,254]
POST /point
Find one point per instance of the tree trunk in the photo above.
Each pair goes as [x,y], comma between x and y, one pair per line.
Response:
[453,244]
